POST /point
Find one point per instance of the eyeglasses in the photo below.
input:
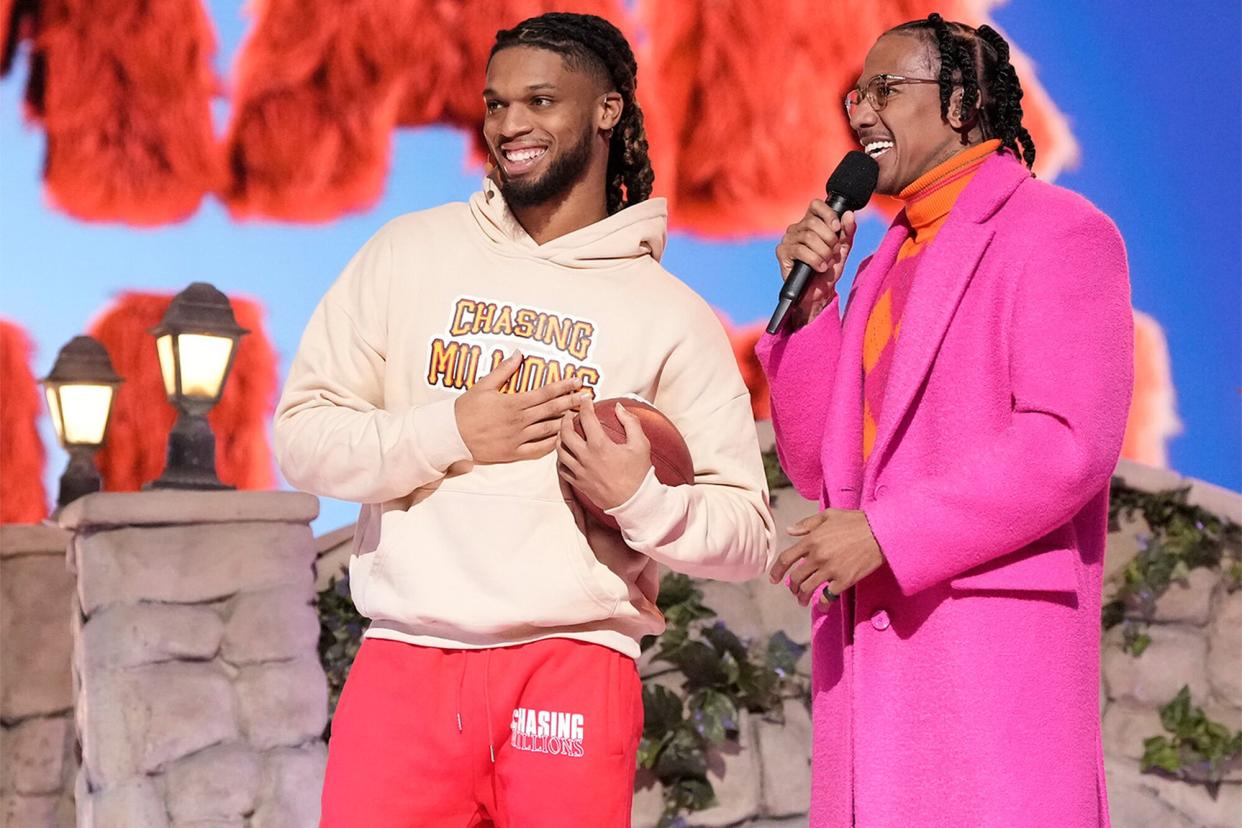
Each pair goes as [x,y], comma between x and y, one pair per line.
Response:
[877,91]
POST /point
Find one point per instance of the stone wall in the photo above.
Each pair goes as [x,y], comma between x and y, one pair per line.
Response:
[1196,641]
[37,756]
[199,695]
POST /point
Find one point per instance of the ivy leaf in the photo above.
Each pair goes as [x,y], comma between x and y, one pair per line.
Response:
[1176,711]
[725,640]
[783,654]
[1159,752]
[662,711]
[700,664]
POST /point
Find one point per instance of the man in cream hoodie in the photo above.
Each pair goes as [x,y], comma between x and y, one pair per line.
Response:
[497,683]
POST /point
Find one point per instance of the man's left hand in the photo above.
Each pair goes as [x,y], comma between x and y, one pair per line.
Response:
[835,547]
[606,472]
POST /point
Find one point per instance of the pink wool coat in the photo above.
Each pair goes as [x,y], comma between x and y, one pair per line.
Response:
[958,685]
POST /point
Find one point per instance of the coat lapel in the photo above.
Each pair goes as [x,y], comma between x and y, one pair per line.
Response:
[947,268]
[842,458]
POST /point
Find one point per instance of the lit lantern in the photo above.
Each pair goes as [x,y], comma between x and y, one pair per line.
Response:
[196,342]
[79,393]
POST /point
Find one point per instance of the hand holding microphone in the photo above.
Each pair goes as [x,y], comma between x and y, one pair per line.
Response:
[812,252]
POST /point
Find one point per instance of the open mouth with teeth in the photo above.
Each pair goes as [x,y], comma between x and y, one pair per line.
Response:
[518,161]
[877,148]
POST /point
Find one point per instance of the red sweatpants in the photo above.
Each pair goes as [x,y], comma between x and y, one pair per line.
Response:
[543,734]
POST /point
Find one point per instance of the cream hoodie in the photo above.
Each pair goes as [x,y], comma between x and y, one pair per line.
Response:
[453,554]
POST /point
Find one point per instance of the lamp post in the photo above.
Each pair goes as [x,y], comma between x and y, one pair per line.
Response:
[79,392]
[196,342]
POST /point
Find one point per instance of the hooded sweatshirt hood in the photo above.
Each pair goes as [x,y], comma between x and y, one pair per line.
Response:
[638,230]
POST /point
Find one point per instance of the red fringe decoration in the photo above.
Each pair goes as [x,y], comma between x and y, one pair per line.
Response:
[754,89]
[124,91]
[22,496]
[320,89]
[142,418]
[743,338]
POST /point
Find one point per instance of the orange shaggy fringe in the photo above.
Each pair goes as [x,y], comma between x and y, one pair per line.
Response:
[320,89]
[142,418]
[22,496]
[755,91]
[123,91]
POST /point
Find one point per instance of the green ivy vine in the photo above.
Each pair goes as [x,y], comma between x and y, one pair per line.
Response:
[1198,750]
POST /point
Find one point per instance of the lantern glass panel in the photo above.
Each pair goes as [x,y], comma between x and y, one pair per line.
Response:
[204,359]
[168,367]
[85,412]
[54,407]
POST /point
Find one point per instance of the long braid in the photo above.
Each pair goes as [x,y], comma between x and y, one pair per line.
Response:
[586,41]
[977,60]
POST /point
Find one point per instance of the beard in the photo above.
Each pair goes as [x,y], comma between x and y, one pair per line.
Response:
[566,170]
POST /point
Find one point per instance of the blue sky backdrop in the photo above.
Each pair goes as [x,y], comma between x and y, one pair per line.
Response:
[1151,91]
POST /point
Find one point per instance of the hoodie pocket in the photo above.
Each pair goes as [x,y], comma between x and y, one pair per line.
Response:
[464,564]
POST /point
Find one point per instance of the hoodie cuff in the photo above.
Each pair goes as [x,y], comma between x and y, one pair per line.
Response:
[435,429]
[650,512]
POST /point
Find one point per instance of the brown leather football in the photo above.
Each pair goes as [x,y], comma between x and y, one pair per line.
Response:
[669,453]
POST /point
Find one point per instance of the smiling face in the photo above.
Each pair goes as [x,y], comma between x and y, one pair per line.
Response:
[545,125]
[907,136]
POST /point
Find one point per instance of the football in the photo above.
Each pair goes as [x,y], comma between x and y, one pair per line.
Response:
[669,453]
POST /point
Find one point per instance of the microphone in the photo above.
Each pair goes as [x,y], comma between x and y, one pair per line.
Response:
[849,188]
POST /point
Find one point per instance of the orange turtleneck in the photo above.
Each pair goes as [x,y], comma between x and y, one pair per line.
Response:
[931,196]
[928,202]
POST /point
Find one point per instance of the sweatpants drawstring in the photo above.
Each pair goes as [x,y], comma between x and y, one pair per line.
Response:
[487,700]
[461,681]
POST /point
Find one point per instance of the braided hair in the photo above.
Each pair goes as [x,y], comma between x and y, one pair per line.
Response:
[585,41]
[977,60]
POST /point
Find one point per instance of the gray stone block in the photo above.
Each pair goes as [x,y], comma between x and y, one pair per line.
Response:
[21,811]
[785,757]
[648,800]
[779,610]
[1191,602]
[135,634]
[1176,656]
[1225,649]
[734,606]
[35,593]
[133,803]
[1125,725]
[284,703]
[137,721]
[288,794]
[220,783]
[734,774]
[191,564]
[1146,800]
[160,507]
[34,756]
[271,625]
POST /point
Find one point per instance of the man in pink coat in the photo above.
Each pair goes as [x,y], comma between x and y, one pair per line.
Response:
[959,428]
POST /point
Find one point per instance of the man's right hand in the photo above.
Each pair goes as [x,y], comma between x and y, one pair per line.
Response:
[499,427]
[822,241]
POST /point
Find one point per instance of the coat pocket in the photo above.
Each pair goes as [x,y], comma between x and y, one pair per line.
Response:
[1048,565]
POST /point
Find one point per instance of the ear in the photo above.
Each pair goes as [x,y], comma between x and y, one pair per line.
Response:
[610,108]
[961,121]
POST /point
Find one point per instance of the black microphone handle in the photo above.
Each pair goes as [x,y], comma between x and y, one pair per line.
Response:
[795,285]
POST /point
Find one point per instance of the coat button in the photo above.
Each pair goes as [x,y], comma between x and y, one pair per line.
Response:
[879,620]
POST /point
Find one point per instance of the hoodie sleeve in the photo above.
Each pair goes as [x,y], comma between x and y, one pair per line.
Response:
[720,527]
[333,434]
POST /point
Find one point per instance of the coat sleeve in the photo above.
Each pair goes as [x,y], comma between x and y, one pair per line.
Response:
[720,527]
[333,434]
[1071,374]
[801,368]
